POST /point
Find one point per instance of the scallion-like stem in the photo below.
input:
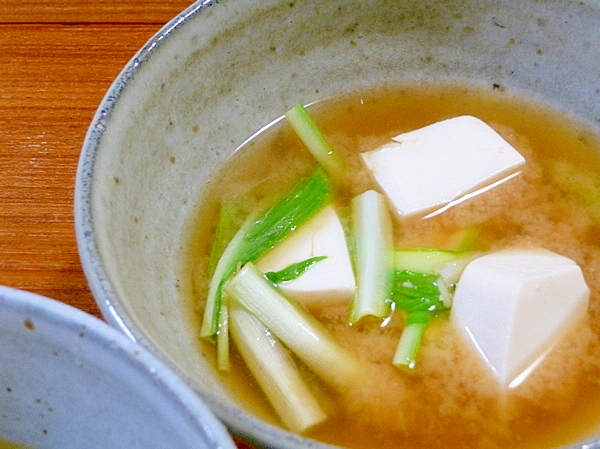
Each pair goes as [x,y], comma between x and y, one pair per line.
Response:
[410,341]
[223,362]
[373,256]
[423,260]
[422,296]
[258,235]
[275,371]
[308,131]
[298,330]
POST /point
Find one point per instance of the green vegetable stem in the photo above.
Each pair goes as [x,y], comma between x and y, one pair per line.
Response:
[373,256]
[257,235]
[299,331]
[308,131]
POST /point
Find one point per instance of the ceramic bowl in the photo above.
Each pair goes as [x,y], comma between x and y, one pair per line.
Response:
[220,71]
[68,379]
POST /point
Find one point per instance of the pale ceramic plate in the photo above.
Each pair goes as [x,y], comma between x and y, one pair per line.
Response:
[220,71]
[69,380]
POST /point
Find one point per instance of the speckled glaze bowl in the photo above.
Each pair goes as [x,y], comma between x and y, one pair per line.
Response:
[69,380]
[221,70]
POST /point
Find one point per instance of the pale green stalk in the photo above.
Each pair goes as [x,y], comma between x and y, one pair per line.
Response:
[423,260]
[306,128]
[259,234]
[298,330]
[223,362]
[408,347]
[275,371]
[373,256]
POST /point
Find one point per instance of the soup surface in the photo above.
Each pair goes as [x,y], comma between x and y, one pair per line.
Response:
[452,399]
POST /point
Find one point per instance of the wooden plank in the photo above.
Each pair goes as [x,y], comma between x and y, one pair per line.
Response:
[52,79]
[90,11]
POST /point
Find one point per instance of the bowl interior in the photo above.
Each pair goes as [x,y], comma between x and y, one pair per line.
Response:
[219,72]
[70,380]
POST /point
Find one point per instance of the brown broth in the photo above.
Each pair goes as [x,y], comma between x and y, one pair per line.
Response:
[452,400]
[5,444]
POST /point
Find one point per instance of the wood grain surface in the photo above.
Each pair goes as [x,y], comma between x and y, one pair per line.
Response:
[57,60]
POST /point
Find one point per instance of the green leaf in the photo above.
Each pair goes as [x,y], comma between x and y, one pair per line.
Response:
[418,317]
[259,234]
[293,271]
[414,292]
[418,294]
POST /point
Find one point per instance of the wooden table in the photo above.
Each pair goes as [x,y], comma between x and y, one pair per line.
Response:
[57,60]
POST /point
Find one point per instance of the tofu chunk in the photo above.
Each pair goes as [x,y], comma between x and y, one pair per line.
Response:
[514,304]
[439,165]
[331,279]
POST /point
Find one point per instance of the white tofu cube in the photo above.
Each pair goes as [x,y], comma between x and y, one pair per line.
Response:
[439,165]
[331,279]
[514,304]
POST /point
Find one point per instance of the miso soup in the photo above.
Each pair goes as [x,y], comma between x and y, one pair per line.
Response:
[5,444]
[451,400]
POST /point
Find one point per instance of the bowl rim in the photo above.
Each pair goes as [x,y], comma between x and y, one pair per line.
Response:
[97,277]
[89,254]
[54,314]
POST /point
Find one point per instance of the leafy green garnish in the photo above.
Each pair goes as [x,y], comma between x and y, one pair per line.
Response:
[259,234]
[293,271]
[416,292]
[421,295]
